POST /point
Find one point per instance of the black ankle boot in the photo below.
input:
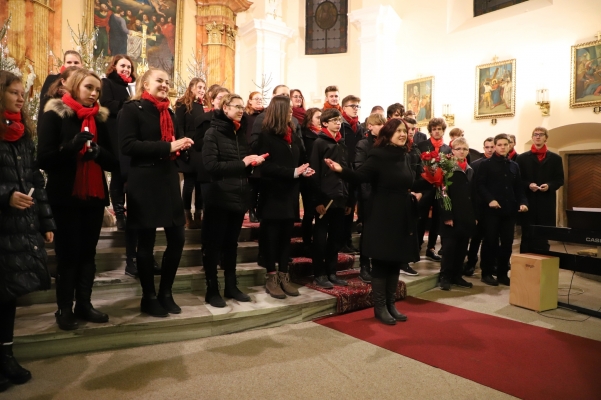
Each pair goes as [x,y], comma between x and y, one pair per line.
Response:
[65,319]
[212,296]
[231,287]
[392,282]
[4,383]
[87,312]
[364,273]
[10,368]
[150,305]
[166,300]
[378,293]
[121,222]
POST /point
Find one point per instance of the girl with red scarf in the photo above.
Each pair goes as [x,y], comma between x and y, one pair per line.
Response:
[148,135]
[72,149]
[25,221]
[298,105]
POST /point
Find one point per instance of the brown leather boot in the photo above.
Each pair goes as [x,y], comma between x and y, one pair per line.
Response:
[286,285]
[272,286]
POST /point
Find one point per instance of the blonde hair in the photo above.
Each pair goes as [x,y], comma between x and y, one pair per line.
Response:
[145,78]
[375,119]
[228,98]
[75,80]
[460,140]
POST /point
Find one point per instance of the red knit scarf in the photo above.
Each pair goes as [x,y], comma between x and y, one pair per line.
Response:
[63,68]
[236,125]
[409,144]
[352,121]
[437,143]
[462,164]
[299,113]
[88,177]
[16,129]
[315,129]
[288,136]
[327,105]
[167,130]
[511,154]
[330,134]
[126,78]
[540,154]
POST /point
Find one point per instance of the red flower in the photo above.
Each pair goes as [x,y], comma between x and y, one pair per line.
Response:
[437,159]
[436,178]
[426,156]
[434,154]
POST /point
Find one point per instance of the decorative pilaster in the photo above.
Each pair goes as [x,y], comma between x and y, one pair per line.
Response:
[379,26]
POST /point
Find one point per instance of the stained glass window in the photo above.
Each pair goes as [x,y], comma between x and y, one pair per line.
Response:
[327,25]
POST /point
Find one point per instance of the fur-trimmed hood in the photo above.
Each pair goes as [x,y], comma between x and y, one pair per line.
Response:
[65,111]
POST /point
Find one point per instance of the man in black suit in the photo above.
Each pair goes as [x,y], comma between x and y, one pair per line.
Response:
[418,136]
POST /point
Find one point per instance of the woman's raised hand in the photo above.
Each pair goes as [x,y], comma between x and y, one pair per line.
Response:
[181,144]
[333,165]
[253,159]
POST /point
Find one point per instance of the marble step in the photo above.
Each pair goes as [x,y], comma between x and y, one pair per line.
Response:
[37,335]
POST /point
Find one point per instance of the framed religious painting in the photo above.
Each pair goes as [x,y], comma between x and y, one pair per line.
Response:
[585,80]
[326,26]
[149,31]
[419,99]
[495,90]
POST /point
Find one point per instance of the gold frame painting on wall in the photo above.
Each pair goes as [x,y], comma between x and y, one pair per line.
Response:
[495,90]
[419,98]
[585,77]
[162,50]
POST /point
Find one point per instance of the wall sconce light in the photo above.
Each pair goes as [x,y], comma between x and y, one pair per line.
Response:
[597,110]
[493,121]
[542,101]
[447,114]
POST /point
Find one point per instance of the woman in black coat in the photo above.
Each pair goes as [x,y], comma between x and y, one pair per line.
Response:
[310,128]
[254,108]
[73,149]
[278,205]
[226,159]
[458,224]
[71,58]
[147,133]
[25,221]
[119,75]
[187,109]
[390,231]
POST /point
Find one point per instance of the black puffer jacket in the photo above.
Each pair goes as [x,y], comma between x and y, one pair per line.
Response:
[22,253]
[222,155]
[328,185]
[362,149]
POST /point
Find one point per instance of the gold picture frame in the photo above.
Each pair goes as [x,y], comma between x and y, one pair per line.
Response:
[174,43]
[585,77]
[419,97]
[495,90]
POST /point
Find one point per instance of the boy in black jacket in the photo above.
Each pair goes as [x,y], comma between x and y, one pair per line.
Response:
[331,196]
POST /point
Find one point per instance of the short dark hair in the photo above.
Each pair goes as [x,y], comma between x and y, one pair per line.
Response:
[409,120]
[350,98]
[488,139]
[501,136]
[436,122]
[332,88]
[388,130]
[393,108]
[309,117]
[376,109]
[328,114]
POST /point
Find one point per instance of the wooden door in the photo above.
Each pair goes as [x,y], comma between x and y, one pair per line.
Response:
[584,180]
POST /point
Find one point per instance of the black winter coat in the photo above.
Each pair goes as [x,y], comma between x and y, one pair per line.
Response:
[279,187]
[362,150]
[257,128]
[390,232]
[351,138]
[250,122]
[462,212]
[309,138]
[22,252]
[44,98]
[202,123]
[59,125]
[499,179]
[222,155]
[328,185]
[186,122]
[153,192]
[419,137]
[114,94]
[541,205]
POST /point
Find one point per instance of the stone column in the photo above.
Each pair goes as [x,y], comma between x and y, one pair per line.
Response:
[216,37]
[379,26]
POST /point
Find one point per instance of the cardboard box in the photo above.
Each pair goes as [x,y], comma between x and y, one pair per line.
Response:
[534,281]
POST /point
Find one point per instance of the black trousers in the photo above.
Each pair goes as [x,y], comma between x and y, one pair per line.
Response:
[255,192]
[220,232]
[425,204]
[173,253]
[498,227]
[8,311]
[328,238]
[131,243]
[191,184]
[475,242]
[382,269]
[453,254]
[117,192]
[309,214]
[78,230]
[348,220]
[276,234]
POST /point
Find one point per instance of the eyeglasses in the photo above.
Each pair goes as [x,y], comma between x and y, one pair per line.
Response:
[461,149]
[296,96]
[257,99]
[239,108]
[335,120]
[538,135]
[354,106]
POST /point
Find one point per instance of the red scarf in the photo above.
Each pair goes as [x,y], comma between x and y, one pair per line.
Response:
[409,144]
[88,177]
[288,136]
[327,132]
[16,129]
[167,130]
[451,143]
[299,114]
[236,125]
[352,121]
[63,68]
[462,164]
[540,154]
[327,105]
[511,154]
[315,129]
[437,143]
[126,78]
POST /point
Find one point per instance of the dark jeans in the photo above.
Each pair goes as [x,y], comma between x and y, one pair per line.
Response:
[220,232]
[75,240]
[309,214]
[328,238]
[424,209]
[276,249]
[498,227]
[453,254]
[382,269]
[173,253]
[8,311]
[191,184]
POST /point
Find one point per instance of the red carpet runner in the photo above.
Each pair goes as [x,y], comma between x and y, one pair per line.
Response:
[519,359]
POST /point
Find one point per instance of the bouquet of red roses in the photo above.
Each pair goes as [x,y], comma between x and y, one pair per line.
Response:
[438,170]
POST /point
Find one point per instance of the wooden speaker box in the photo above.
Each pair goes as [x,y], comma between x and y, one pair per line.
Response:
[534,281]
